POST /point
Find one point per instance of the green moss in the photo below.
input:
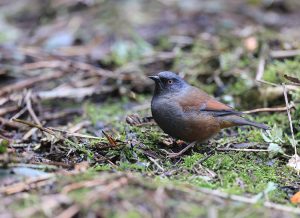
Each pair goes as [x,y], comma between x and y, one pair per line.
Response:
[190,160]
[125,166]
[105,112]
[277,69]
[193,211]
[24,203]
[102,167]
[131,214]
[79,195]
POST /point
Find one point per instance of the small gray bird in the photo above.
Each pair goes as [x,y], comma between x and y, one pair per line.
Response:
[186,112]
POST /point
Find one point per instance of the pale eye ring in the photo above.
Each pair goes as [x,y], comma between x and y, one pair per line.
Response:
[170,81]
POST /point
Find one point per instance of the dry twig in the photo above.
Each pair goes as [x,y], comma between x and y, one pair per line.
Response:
[83,184]
[26,185]
[290,120]
[30,82]
[284,53]
[30,109]
[268,109]
[156,163]
[242,149]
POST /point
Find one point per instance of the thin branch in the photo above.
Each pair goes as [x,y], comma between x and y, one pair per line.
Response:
[261,66]
[261,63]
[155,162]
[284,53]
[20,113]
[270,109]
[28,184]
[74,134]
[47,130]
[242,149]
[290,118]
[84,184]
[30,109]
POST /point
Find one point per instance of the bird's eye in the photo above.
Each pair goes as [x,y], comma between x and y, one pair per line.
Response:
[170,81]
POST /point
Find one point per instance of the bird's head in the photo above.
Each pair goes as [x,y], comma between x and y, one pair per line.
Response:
[168,82]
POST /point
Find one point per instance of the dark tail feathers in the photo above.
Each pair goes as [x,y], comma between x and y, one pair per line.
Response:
[258,125]
[240,121]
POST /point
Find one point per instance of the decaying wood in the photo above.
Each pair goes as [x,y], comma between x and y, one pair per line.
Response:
[30,82]
[26,185]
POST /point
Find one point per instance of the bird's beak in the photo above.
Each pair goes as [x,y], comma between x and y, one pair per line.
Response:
[154,78]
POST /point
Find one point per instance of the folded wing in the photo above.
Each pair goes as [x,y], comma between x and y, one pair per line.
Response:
[198,100]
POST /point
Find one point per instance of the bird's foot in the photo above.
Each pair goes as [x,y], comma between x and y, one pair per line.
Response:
[178,154]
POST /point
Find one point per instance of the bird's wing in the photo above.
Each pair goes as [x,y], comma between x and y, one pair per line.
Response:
[197,100]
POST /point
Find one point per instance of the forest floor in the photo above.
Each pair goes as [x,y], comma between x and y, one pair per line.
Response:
[76,134]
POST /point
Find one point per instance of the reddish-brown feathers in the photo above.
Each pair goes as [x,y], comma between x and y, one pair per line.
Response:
[199,100]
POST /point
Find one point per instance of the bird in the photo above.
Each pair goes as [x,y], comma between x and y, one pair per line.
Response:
[187,113]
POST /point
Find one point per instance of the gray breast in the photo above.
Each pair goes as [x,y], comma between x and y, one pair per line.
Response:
[168,115]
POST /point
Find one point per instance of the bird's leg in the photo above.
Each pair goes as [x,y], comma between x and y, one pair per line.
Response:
[174,155]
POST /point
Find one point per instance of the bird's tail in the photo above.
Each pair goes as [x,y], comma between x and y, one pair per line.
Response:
[228,121]
[258,125]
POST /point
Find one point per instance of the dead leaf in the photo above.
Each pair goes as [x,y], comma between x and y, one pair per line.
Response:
[294,162]
[136,120]
[292,79]
[110,139]
[295,199]
[82,166]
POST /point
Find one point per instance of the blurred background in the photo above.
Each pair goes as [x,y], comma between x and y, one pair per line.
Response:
[81,66]
[126,40]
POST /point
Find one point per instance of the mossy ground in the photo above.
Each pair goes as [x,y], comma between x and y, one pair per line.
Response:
[159,186]
[235,172]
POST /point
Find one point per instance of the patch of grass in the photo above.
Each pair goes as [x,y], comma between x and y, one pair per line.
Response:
[23,203]
[79,195]
[104,112]
[246,172]
[190,160]
[126,166]
[277,69]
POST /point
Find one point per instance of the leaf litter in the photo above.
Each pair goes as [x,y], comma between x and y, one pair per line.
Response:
[76,76]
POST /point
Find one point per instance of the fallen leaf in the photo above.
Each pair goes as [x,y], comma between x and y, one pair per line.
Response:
[110,139]
[292,79]
[275,148]
[82,166]
[168,141]
[295,199]
[294,162]
[136,120]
